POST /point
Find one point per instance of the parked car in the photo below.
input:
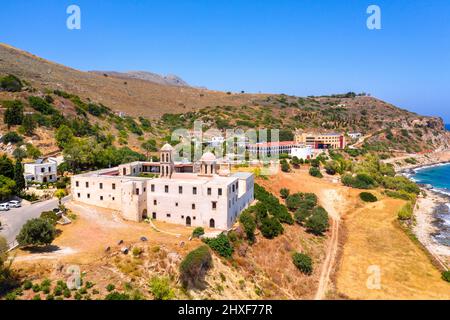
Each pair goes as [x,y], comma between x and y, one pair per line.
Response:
[4,206]
[15,204]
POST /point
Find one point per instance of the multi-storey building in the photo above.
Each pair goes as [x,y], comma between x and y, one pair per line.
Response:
[41,170]
[320,140]
[204,194]
[273,148]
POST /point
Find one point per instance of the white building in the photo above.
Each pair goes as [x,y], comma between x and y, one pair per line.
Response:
[355,135]
[41,171]
[304,153]
[202,195]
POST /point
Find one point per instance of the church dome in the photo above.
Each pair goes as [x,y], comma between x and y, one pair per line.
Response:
[208,157]
[167,147]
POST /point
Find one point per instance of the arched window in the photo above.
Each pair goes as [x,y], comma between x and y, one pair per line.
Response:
[144,214]
[188,221]
[212,223]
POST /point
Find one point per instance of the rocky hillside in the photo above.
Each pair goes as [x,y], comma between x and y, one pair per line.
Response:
[168,80]
[135,97]
[132,108]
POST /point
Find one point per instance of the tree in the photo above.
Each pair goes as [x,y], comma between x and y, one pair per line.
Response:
[285,166]
[28,125]
[6,167]
[318,221]
[332,167]
[284,192]
[221,244]
[60,194]
[149,146]
[315,172]
[198,232]
[303,262]
[19,154]
[194,266]
[13,113]
[19,177]
[271,227]
[11,137]
[295,162]
[50,216]
[248,222]
[7,187]
[63,136]
[36,232]
[11,83]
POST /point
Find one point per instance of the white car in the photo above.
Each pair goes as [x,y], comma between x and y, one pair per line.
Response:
[15,204]
[4,206]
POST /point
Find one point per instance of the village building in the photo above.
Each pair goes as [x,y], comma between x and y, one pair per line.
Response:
[42,170]
[320,140]
[201,194]
[273,148]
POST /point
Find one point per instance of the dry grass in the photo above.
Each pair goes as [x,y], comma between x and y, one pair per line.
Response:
[374,238]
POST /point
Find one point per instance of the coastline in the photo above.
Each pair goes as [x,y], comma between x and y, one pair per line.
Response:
[425,224]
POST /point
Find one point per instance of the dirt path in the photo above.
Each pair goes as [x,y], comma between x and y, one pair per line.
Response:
[331,198]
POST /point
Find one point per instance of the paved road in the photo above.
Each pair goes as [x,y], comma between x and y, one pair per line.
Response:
[14,219]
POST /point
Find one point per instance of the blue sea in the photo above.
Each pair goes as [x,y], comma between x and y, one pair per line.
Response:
[439,177]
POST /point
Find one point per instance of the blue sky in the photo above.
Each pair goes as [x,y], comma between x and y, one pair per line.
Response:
[301,47]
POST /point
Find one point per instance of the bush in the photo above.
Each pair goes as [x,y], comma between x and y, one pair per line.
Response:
[11,137]
[315,172]
[194,267]
[446,276]
[221,245]
[284,192]
[318,222]
[27,285]
[49,216]
[302,215]
[367,197]
[11,83]
[115,296]
[42,106]
[160,288]
[198,232]
[271,227]
[248,222]
[360,181]
[406,212]
[303,263]
[36,232]
[285,167]
[110,287]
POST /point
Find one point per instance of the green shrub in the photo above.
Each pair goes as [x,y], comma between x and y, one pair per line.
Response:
[284,192]
[446,275]
[49,216]
[198,232]
[11,137]
[367,197]
[248,222]
[302,215]
[318,223]
[221,245]
[36,288]
[110,287]
[117,296]
[406,212]
[36,232]
[271,227]
[160,288]
[27,285]
[11,83]
[194,267]
[403,195]
[315,172]
[303,263]
[360,181]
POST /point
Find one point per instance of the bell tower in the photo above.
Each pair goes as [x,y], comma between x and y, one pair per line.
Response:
[166,161]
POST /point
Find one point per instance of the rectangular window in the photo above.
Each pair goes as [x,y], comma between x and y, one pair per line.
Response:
[89,195]
[180,189]
[137,191]
[101,198]
[77,183]
[79,195]
[209,191]
[214,205]
[155,202]
[219,191]
[166,189]
[194,190]
[114,186]
[193,206]
[152,188]
[87,184]
[232,187]
[101,185]
[42,170]
[168,215]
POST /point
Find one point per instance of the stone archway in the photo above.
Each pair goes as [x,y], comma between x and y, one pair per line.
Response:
[212,223]
[188,221]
